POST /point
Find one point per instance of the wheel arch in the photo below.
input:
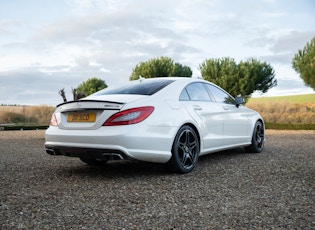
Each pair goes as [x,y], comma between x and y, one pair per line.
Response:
[254,123]
[262,122]
[191,125]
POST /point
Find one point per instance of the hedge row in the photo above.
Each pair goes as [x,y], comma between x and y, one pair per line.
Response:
[21,127]
[280,126]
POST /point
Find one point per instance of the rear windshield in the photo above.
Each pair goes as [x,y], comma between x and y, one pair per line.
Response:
[148,87]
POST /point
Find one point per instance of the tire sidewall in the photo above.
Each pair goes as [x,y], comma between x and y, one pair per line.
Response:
[175,161]
[255,144]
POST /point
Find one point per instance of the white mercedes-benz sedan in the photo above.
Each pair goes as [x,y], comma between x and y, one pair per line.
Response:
[171,120]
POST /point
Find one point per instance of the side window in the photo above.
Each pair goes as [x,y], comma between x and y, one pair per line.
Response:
[220,96]
[184,96]
[197,92]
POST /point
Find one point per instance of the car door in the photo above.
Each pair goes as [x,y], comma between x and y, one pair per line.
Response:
[205,112]
[236,118]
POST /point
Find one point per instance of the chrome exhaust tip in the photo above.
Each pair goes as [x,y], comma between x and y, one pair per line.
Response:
[51,152]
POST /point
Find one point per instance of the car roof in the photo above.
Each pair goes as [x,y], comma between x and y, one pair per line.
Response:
[184,80]
[174,86]
[188,79]
[136,84]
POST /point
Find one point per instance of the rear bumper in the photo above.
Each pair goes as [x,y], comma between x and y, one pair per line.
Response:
[100,154]
[150,144]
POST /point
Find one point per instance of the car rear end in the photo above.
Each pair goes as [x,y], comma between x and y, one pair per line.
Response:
[109,127]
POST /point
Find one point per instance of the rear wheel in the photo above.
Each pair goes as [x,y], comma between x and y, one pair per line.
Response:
[258,139]
[92,161]
[185,150]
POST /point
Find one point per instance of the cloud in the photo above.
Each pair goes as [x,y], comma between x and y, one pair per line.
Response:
[29,87]
[280,48]
[289,87]
[38,84]
[292,41]
[7,27]
[84,7]
[61,46]
[126,37]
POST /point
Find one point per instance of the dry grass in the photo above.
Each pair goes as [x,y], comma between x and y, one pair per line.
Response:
[285,112]
[39,115]
[298,109]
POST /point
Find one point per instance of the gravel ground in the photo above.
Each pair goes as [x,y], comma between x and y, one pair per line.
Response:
[228,190]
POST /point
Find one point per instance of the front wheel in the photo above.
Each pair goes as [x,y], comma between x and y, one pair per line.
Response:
[258,138]
[185,150]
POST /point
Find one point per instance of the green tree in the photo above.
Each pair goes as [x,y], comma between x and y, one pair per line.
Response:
[179,70]
[220,72]
[243,78]
[160,67]
[304,63]
[88,87]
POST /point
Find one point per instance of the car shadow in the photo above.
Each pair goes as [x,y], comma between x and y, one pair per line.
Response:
[131,169]
[115,169]
[226,154]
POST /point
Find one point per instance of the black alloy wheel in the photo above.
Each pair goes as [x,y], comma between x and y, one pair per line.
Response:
[258,138]
[185,150]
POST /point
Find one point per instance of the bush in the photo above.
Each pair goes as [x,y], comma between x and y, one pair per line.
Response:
[22,127]
[10,117]
[290,126]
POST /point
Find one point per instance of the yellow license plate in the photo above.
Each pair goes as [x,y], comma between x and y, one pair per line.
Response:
[81,117]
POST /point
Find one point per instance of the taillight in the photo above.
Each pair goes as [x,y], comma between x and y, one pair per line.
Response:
[53,120]
[129,116]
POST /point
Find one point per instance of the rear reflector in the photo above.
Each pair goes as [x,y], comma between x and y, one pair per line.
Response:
[53,121]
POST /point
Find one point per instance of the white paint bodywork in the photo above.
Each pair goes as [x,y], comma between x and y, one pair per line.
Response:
[220,126]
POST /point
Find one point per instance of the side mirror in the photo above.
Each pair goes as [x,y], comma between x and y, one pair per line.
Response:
[239,100]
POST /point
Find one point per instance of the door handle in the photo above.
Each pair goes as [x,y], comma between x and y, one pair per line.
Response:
[225,107]
[197,107]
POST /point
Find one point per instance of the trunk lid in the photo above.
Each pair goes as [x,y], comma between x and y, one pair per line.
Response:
[91,112]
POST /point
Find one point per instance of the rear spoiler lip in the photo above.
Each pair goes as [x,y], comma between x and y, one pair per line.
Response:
[78,101]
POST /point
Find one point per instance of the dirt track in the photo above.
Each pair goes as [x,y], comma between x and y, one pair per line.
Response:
[227,190]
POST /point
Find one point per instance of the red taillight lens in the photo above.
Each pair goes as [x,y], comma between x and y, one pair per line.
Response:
[129,116]
[53,120]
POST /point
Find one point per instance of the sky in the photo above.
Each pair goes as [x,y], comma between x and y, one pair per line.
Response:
[49,45]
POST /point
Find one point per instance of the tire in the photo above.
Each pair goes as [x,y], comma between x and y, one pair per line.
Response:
[92,161]
[258,139]
[185,151]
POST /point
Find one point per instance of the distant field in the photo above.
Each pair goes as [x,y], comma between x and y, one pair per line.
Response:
[25,115]
[283,112]
[286,111]
[305,98]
